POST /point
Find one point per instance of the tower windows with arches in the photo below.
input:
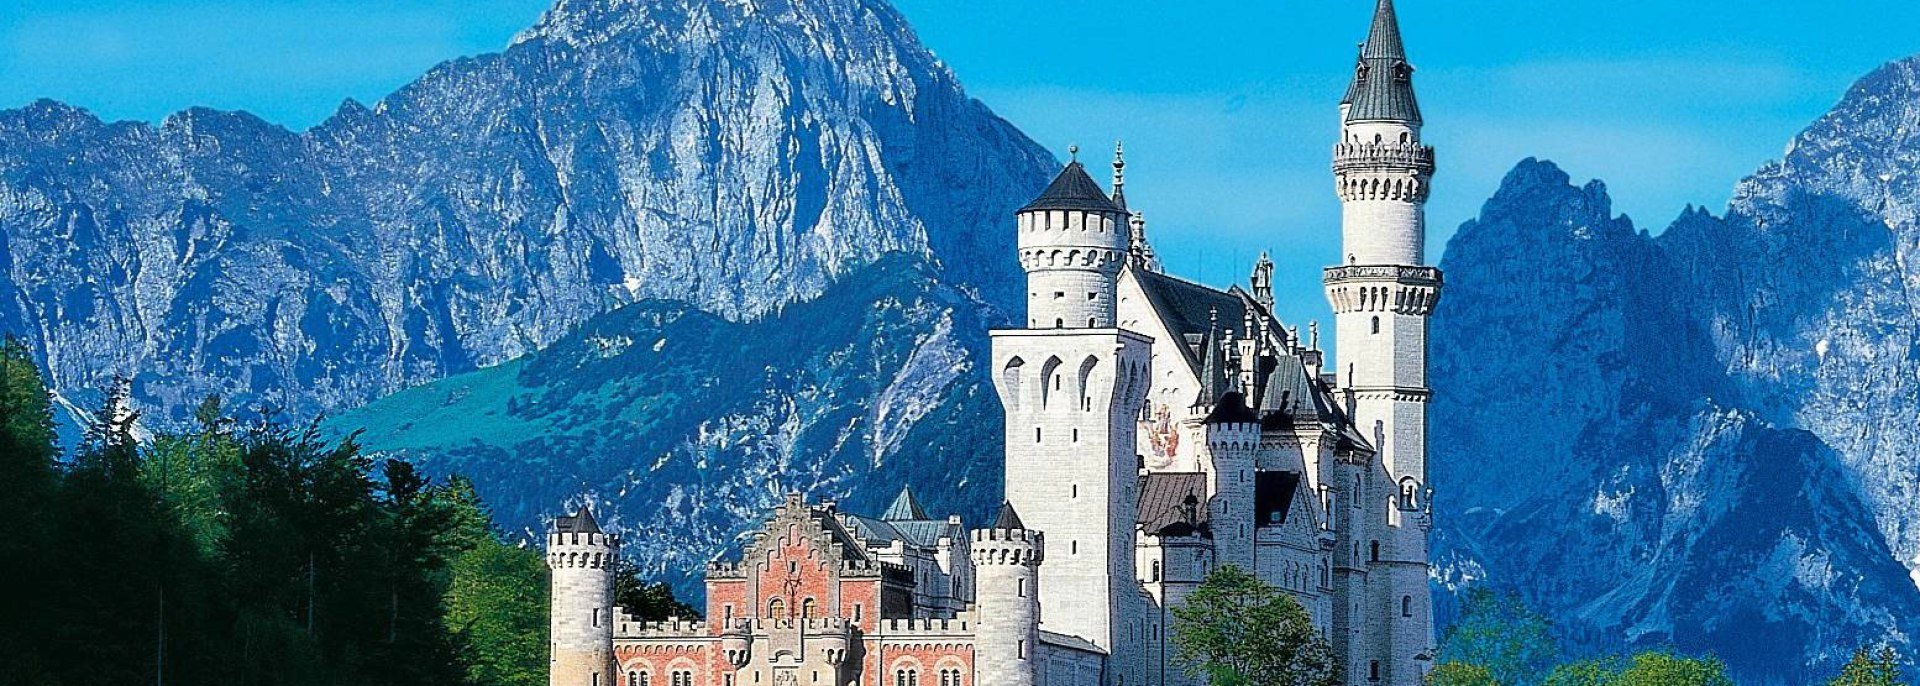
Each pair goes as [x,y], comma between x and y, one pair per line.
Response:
[776,608]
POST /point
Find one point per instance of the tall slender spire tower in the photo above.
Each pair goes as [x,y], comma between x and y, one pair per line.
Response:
[1382,294]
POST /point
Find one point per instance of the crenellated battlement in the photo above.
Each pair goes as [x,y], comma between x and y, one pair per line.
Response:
[1383,288]
[670,628]
[962,625]
[1350,157]
[587,558]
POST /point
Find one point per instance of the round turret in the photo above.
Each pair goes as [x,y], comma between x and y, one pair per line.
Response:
[581,617]
[1006,558]
[1073,241]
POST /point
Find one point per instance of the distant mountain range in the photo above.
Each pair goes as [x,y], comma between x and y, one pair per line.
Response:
[738,157]
[675,257]
[1715,428]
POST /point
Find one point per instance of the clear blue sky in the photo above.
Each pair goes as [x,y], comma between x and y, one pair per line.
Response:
[1227,107]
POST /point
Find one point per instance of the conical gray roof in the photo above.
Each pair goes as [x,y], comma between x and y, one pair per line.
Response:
[1072,190]
[1382,88]
[1008,519]
[580,523]
[905,508]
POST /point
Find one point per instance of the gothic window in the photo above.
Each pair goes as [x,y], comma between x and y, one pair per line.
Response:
[808,607]
[1406,606]
[1376,325]
[1376,551]
[776,607]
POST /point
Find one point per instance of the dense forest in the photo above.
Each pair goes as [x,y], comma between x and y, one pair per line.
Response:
[252,554]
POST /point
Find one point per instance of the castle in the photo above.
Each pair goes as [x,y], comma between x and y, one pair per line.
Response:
[1155,429]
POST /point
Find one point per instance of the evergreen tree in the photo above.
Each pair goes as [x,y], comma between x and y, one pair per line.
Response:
[29,492]
[496,603]
[1870,668]
[1498,632]
[648,602]
[1237,629]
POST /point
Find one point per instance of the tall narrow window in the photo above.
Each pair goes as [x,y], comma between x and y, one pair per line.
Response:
[1020,587]
[808,607]
[1406,606]
[1376,325]
[633,679]
[1376,551]
[1373,671]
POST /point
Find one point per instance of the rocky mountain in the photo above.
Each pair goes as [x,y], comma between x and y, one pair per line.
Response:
[738,156]
[684,428]
[1716,425]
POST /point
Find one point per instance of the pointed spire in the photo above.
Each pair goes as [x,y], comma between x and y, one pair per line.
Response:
[1382,88]
[1119,177]
[1008,519]
[1213,369]
[1139,249]
[905,508]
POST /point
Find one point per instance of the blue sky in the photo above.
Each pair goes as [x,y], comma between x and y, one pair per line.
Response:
[1227,107]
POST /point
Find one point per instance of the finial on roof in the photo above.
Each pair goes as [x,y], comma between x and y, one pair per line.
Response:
[1313,327]
[1073,152]
[1119,176]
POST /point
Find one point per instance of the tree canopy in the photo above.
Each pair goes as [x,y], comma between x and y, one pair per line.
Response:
[1236,629]
[258,554]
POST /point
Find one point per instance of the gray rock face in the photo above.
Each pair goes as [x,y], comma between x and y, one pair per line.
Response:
[736,156]
[1716,425]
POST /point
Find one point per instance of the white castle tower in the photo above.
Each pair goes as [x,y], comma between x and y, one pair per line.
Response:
[1382,296]
[1006,560]
[1072,384]
[582,615]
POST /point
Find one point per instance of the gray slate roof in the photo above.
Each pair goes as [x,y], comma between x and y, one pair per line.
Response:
[905,508]
[1073,190]
[1163,503]
[580,523]
[1008,519]
[1190,309]
[1382,88]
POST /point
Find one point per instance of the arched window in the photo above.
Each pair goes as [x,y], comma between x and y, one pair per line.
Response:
[776,608]
[808,607]
[1156,571]
[1376,551]
[1059,323]
[1376,325]
[1406,606]
[633,679]
[1373,671]
[1090,322]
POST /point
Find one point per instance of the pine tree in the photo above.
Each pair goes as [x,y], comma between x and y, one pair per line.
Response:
[29,491]
[1870,668]
[1498,632]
